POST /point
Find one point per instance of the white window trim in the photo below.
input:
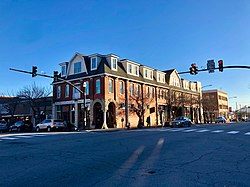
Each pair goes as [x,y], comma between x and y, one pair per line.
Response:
[65,70]
[149,73]
[112,84]
[129,64]
[161,77]
[97,80]
[112,59]
[92,62]
[87,87]
[134,70]
[58,92]
[66,93]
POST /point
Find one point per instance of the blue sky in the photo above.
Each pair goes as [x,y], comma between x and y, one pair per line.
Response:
[160,34]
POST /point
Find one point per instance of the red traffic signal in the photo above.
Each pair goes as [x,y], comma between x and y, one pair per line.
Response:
[220,63]
[193,69]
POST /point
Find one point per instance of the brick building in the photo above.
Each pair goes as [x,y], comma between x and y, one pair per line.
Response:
[215,104]
[119,92]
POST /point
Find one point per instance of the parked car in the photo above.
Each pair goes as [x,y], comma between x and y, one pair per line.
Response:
[181,121]
[19,126]
[220,120]
[3,126]
[51,124]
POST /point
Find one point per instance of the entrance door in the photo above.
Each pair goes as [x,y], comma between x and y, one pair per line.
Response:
[98,116]
[111,117]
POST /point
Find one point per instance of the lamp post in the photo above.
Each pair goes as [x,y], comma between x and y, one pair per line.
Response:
[84,105]
[206,86]
[230,114]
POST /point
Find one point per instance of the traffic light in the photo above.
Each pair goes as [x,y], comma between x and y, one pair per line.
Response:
[55,75]
[34,71]
[193,69]
[220,63]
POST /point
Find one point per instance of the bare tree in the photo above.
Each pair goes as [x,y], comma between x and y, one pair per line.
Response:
[35,95]
[139,105]
[9,102]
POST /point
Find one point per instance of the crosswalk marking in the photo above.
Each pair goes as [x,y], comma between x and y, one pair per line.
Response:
[28,136]
[217,131]
[233,132]
[38,135]
[9,138]
[204,130]
[190,130]
[248,133]
[176,130]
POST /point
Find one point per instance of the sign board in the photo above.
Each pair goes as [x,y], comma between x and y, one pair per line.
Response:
[210,66]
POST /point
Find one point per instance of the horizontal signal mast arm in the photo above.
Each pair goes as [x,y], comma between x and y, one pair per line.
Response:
[48,76]
[244,67]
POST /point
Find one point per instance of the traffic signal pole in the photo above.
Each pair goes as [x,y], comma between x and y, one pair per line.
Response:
[48,76]
[224,67]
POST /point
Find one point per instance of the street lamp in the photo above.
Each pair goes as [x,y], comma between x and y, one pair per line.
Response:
[206,86]
[84,105]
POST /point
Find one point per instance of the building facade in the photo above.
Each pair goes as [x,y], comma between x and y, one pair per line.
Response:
[116,93]
[215,104]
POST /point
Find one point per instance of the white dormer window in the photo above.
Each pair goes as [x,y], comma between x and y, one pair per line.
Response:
[148,74]
[130,68]
[77,67]
[136,70]
[151,75]
[63,70]
[161,77]
[114,64]
[94,63]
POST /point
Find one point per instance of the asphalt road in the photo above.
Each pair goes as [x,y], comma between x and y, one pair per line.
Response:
[205,155]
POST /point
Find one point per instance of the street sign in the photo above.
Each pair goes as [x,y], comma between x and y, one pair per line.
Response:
[210,66]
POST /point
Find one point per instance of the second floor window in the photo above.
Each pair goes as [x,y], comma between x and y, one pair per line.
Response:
[67,91]
[97,86]
[111,85]
[77,67]
[76,92]
[132,89]
[138,90]
[87,88]
[121,87]
[147,92]
[58,91]
[153,92]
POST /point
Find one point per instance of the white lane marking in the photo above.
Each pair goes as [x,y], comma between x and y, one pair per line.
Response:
[9,138]
[204,130]
[248,133]
[233,132]
[190,130]
[217,131]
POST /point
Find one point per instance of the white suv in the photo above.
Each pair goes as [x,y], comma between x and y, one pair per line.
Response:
[49,124]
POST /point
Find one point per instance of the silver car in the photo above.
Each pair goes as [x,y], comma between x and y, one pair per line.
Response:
[51,124]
